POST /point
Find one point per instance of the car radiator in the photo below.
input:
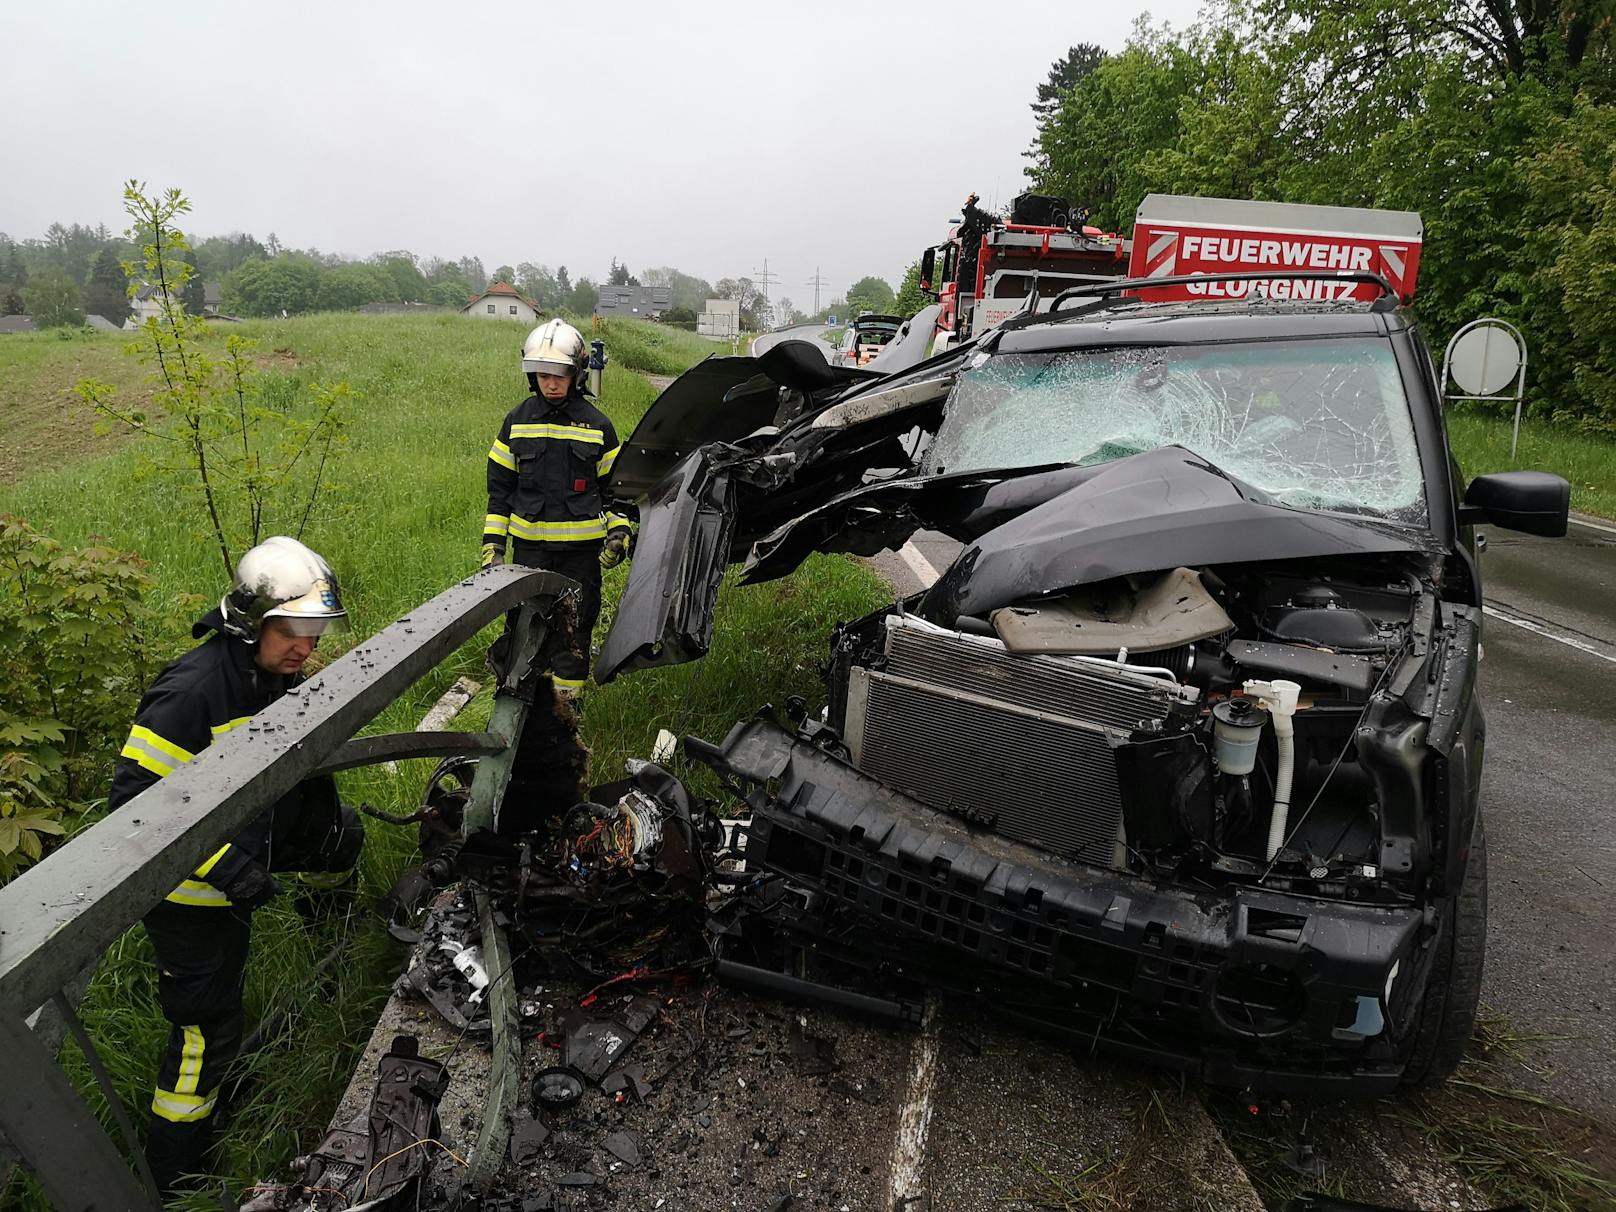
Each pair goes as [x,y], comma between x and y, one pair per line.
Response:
[1018,743]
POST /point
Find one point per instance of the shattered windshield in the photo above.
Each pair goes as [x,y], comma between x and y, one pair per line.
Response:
[1320,424]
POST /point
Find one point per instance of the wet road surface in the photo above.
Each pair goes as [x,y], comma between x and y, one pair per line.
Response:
[803,332]
[1549,800]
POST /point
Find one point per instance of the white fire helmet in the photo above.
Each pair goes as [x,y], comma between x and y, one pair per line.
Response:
[555,348]
[283,579]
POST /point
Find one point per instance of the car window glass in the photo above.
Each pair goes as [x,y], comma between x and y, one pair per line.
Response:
[1318,424]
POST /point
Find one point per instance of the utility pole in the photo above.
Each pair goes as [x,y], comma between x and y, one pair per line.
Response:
[816,282]
[765,277]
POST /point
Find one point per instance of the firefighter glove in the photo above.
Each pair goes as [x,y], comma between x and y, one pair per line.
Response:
[252,887]
[491,554]
[611,555]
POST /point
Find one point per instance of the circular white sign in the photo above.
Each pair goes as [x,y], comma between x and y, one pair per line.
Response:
[1485,361]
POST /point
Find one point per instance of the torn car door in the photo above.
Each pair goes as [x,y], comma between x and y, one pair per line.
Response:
[665,615]
[723,497]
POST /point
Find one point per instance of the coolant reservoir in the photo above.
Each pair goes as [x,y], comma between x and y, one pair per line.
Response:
[1237,726]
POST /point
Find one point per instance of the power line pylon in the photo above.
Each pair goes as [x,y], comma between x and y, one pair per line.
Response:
[816,282]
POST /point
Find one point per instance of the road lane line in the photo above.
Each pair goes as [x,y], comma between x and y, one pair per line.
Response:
[914,1118]
[1548,633]
[1592,525]
[919,564]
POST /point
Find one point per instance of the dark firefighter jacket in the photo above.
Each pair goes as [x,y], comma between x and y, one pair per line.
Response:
[215,687]
[547,471]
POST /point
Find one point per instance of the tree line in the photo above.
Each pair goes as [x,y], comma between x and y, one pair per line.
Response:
[1492,118]
[75,269]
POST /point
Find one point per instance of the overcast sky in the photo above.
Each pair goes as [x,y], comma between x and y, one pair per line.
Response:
[708,136]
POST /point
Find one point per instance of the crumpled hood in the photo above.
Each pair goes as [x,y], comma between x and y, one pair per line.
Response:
[1157,510]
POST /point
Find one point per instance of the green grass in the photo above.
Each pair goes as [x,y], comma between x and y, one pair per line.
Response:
[655,348]
[1480,442]
[432,391]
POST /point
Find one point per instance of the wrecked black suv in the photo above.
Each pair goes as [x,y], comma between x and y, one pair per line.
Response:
[1182,754]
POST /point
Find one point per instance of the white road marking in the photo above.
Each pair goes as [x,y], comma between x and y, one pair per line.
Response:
[914,1118]
[919,565]
[1547,632]
[1592,525]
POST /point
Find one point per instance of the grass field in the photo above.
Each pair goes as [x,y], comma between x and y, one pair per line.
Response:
[432,391]
[1480,442]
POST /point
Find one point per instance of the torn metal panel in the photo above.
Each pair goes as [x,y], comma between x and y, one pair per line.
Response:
[721,400]
[665,615]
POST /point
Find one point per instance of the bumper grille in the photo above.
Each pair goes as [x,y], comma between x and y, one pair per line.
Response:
[1018,743]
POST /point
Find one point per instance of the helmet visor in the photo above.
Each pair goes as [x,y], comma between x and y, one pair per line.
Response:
[306,625]
[535,366]
[314,613]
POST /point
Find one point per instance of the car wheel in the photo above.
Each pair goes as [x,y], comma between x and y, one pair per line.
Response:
[1448,1015]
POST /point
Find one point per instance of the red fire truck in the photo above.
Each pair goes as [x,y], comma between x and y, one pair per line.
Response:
[1176,236]
[983,273]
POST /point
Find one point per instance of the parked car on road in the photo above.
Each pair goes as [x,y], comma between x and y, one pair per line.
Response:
[865,338]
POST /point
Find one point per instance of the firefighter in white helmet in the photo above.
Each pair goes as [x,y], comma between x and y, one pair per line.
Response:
[547,496]
[284,598]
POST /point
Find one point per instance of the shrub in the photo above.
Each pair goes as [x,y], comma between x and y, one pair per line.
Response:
[74,659]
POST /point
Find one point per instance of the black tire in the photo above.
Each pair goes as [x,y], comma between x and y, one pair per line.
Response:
[1448,1015]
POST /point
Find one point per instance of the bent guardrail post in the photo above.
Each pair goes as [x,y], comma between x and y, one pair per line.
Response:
[519,681]
[62,913]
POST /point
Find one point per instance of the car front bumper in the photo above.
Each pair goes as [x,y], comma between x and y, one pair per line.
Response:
[1249,988]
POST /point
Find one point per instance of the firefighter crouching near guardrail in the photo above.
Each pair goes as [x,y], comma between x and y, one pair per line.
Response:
[284,598]
[546,486]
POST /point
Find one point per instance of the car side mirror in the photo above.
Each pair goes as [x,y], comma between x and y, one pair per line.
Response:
[1533,502]
[928,266]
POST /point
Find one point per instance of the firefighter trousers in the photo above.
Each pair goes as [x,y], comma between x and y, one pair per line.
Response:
[201,970]
[569,660]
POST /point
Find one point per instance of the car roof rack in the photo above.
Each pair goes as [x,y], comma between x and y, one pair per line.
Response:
[1102,292]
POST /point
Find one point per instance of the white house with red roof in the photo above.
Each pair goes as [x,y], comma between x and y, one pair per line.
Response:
[502,301]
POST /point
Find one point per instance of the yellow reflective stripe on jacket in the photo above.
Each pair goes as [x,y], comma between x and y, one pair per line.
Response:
[190,1060]
[616,521]
[501,454]
[567,683]
[607,459]
[183,1108]
[155,753]
[558,532]
[496,524]
[200,894]
[162,756]
[566,433]
[202,871]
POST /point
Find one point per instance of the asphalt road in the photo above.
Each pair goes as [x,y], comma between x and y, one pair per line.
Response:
[1548,796]
[803,332]
[1549,793]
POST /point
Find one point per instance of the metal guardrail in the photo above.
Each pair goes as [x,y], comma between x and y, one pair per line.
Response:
[59,916]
